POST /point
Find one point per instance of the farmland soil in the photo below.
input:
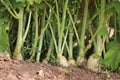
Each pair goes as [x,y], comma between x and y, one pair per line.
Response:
[24,70]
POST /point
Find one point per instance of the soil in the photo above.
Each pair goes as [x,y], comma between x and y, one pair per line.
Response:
[25,70]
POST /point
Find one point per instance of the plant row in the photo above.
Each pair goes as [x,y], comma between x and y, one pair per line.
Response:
[62,32]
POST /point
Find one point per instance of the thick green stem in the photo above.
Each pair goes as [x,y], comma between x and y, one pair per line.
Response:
[84,25]
[100,25]
[36,34]
[75,30]
[53,36]
[28,26]
[59,27]
[80,57]
[62,27]
[71,43]
[40,46]
[70,48]
[17,53]
[51,47]
[41,43]
[64,42]
[44,27]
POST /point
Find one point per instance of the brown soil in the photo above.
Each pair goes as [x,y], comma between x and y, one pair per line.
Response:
[24,70]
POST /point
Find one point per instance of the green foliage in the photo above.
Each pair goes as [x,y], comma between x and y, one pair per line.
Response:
[103,31]
[74,6]
[38,1]
[4,40]
[115,5]
[2,9]
[32,1]
[112,56]
[4,27]
[17,4]
[20,0]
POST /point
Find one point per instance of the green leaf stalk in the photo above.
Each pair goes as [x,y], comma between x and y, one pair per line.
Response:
[81,55]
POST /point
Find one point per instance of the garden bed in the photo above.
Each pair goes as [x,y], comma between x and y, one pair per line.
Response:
[25,70]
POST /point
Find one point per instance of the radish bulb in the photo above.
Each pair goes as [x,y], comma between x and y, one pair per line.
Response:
[45,61]
[71,61]
[80,59]
[93,63]
[62,60]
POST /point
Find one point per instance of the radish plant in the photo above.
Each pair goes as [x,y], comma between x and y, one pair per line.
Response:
[93,61]
[55,31]
[60,43]
[81,55]
[18,14]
